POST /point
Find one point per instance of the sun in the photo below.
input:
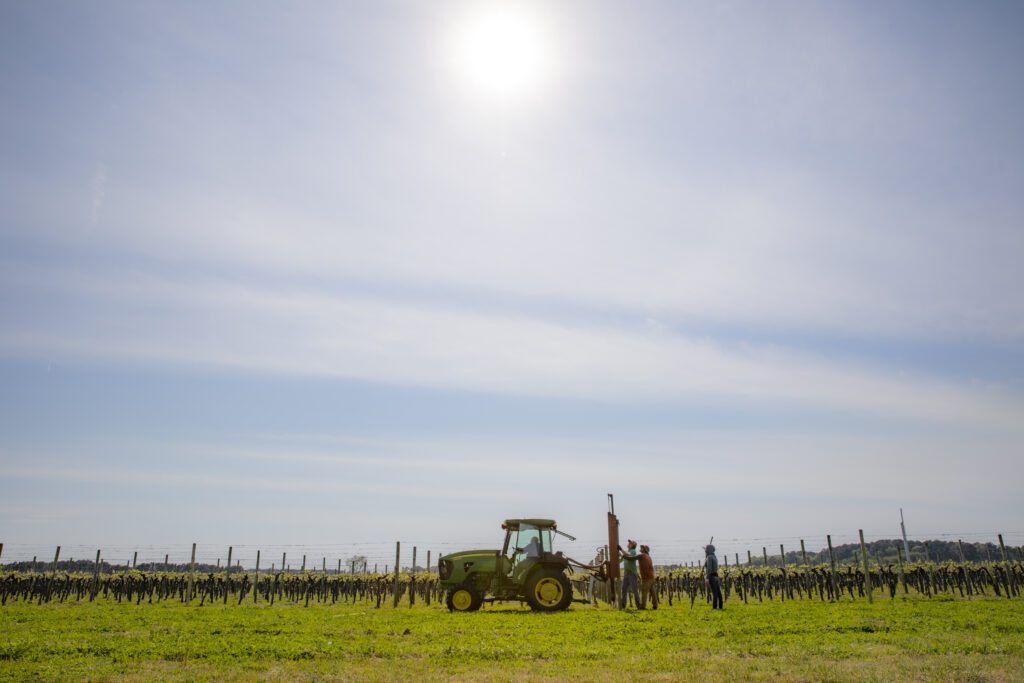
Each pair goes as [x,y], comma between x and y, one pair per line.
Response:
[501,52]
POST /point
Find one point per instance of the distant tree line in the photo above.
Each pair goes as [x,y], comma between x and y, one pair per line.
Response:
[881,551]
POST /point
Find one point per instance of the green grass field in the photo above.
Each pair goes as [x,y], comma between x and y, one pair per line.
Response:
[905,639]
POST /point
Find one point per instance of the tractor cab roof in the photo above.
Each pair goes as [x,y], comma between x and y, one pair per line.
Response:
[515,523]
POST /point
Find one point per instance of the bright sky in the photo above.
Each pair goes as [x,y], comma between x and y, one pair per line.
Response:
[314,273]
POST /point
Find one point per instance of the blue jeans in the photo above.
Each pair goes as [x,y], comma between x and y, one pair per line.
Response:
[630,583]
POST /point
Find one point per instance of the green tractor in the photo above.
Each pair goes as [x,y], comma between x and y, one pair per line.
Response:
[525,569]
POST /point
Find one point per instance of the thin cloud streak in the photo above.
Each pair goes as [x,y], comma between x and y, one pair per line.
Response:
[305,332]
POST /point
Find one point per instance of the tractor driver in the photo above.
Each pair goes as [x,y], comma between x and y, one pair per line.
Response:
[532,548]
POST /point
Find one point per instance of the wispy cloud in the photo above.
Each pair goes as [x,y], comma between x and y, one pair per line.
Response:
[309,332]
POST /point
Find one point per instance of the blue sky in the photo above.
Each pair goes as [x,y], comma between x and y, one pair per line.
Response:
[281,275]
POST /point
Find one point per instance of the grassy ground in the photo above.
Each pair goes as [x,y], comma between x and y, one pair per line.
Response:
[905,639]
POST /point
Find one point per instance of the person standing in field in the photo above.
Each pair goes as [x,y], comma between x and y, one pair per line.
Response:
[647,579]
[630,578]
[711,572]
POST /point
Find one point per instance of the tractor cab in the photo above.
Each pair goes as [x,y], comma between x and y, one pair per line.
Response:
[526,542]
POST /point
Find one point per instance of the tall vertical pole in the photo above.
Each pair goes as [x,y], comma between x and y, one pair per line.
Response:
[227,573]
[56,558]
[135,559]
[284,555]
[96,576]
[167,556]
[867,569]
[785,577]
[750,560]
[191,575]
[412,583]
[832,563]
[764,551]
[1009,568]
[803,552]
[903,530]
[398,559]
[256,578]
[303,563]
[612,551]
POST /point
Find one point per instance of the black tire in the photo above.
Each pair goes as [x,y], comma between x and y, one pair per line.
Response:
[464,598]
[548,590]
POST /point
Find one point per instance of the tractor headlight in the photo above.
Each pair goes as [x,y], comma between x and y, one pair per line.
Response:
[444,569]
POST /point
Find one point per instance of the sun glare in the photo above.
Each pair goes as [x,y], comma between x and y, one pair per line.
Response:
[501,52]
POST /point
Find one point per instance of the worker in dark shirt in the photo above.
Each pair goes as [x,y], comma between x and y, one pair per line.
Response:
[647,589]
[630,578]
[711,571]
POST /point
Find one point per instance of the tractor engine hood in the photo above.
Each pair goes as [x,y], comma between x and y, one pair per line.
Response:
[464,555]
[457,566]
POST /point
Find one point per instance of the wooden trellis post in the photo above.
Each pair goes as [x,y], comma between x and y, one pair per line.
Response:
[903,576]
[1009,569]
[256,579]
[398,550]
[412,580]
[96,576]
[785,579]
[191,575]
[867,569]
[832,562]
[227,573]
[803,552]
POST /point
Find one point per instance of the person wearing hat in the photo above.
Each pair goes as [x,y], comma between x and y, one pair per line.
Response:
[647,579]
[711,572]
[630,578]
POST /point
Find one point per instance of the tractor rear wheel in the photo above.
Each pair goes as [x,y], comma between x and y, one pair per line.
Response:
[464,598]
[548,590]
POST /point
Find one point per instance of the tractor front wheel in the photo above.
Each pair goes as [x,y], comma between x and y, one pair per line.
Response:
[548,590]
[464,599]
